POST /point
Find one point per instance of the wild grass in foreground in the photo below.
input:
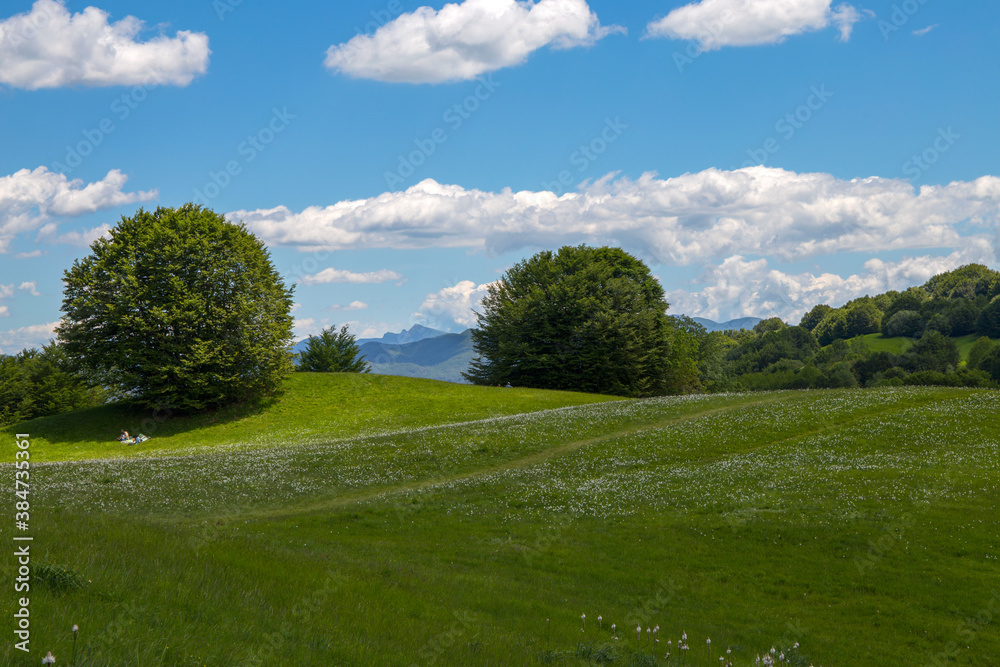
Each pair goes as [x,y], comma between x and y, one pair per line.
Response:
[860,525]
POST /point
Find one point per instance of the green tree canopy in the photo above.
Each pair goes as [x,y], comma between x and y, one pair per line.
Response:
[756,354]
[332,352]
[770,324]
[179,308]
[988,323]
[39,383]
[904,323]
[912,299]
[964,282]
[979,351]
[862,318]
[832,327]
[812,319]
[933,352]
[585,319]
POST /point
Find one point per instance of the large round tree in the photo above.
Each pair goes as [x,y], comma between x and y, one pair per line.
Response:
[585,319]
[179,309]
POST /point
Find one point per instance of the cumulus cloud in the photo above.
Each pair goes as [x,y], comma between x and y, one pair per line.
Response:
[6,291]
[452,307]
[739,287]
[29,287]
[718,23]
[327,276]
[82,239]
[305,327]
[48,47]
[463,40]
[29,200]
[677,221]
[36,335]
[354,305]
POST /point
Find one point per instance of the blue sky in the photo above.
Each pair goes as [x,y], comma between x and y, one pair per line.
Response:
[761,156]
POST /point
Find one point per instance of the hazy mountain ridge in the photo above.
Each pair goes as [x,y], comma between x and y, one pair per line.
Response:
[442,357]
[731,325]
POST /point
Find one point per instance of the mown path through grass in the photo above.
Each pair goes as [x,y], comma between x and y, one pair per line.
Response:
[519,463]
[571,447]
[861,524]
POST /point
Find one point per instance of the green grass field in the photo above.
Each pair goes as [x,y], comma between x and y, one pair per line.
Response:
[900,344]
[415,522]
[879,343]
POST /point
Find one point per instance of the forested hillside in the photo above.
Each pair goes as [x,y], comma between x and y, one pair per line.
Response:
[941,333]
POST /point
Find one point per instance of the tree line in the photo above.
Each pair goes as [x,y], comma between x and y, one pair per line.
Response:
[828,348]
[183,309]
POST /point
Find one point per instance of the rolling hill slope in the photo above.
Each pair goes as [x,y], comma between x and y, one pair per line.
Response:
[840,527]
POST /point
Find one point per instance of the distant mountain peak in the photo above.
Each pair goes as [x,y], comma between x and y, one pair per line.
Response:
[415,333]
[739,323]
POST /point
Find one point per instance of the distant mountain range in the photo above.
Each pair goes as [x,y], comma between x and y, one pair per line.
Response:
[416,333]
[442,357]
[419,352]
[731,325]
[423,352]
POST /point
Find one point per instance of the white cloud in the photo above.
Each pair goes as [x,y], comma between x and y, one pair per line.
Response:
[30,199]
[924,31]
[305,327]
[327,276]
[48,47]
[743,288]
[36,335]
[452,307]
[29,287]
[354,305]
[696,217]
[462,41]
[718,23]
[4,312]
[83,238]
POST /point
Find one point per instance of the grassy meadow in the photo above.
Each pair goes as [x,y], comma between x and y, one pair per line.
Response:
[900,344]
[364,520]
